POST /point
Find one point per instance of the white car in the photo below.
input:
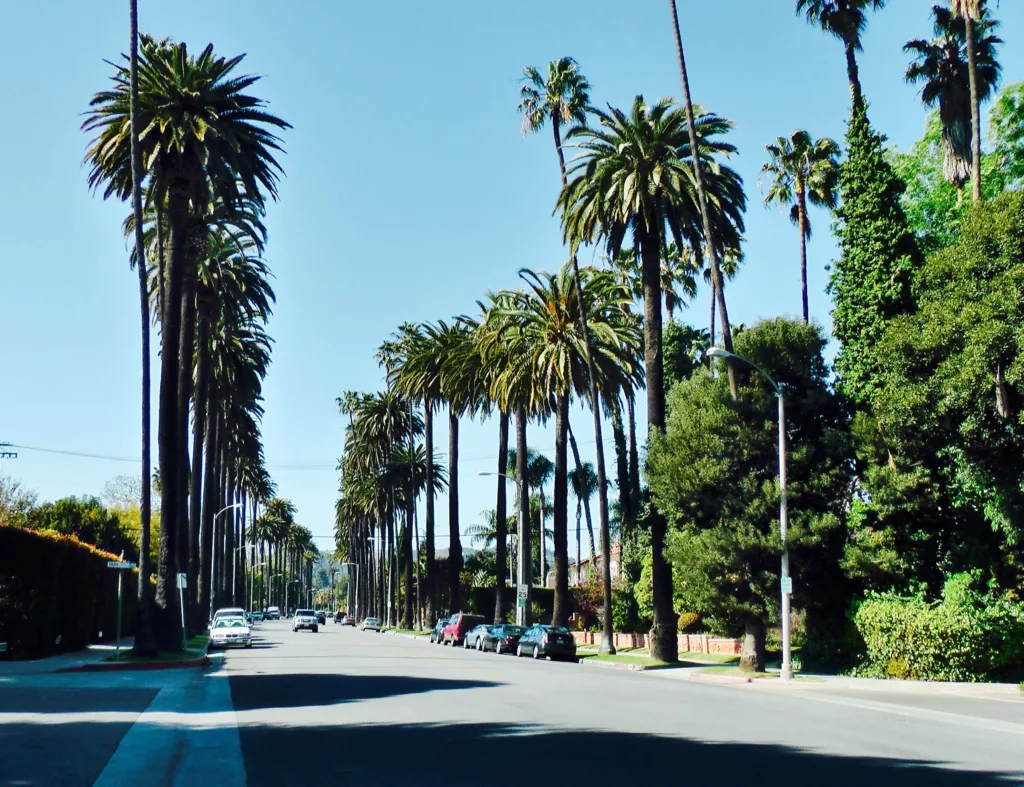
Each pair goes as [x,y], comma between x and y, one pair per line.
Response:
[305,619]
[371,624]
[227,612]
[273,613]
[227,631]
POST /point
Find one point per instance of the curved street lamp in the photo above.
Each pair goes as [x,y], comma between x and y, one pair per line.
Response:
[786,582]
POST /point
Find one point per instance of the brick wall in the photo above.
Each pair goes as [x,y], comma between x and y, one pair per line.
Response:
[696,643]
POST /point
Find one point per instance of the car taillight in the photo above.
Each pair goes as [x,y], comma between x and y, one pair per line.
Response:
[545,639]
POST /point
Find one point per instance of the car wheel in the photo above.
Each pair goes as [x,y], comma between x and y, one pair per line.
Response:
[249,645]
[536,652]
[465,643]
[497,648]
[480,644]
[315,629]
[519,651]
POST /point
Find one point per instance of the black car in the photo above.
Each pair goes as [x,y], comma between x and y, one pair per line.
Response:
[438,630]
[502,639]
[474,637]
[321,617]
[550,642]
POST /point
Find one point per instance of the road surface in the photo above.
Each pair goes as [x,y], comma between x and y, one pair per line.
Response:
[345,707]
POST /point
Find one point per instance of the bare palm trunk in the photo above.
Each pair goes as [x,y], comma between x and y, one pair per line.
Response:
[972,65]
[634,460]
[167,617]
[586,500]
[606,642]
[410,510]
[145,644]
[525,562]
[802,222]
[709,237]
[196,611]
[560,525]
[454,533]
[621,467]
[189,539]
[500,521]
[853,74]
[714,302]
[428,525]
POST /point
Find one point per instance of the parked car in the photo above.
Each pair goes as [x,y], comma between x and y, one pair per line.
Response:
[543,641]
[226,612]
[348,620]
[437,633]
[475,636]
[305,619]
[257,616]
[371,624]
[227,631]
[502,639]
[339,616]
[273,613]
[321,617]
[459,625]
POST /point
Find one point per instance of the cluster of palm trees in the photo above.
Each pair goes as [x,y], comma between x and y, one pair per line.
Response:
[286,553]
[181,135]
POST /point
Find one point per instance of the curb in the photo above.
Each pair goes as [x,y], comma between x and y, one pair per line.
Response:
[612,665]
[139,666]
[712,678]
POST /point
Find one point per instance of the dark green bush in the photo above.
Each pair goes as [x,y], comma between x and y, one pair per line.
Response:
[970,634]
[54,586]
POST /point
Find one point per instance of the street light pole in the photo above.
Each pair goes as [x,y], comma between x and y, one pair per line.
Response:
[356,565]
[520,558]
[786,582]
[213,564]
[252,584]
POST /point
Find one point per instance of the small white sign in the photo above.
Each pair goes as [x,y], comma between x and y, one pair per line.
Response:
[182,581]
[787,584]
[120,564]
[3,647]
[522,591]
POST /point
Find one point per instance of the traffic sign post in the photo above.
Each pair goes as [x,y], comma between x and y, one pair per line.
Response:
[182,584]
[521,594]
[120,566]
[787,585]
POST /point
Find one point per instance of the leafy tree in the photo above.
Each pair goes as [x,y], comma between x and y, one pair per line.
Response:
[941,64]
[1006,129]
[802,170]
[846,20]
[88,520]
[715,471]
[15,501]
[952,387]
[685,351]
[871,280]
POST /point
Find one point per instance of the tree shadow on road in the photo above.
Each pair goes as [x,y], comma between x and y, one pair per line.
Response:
[262,692]
[463,754]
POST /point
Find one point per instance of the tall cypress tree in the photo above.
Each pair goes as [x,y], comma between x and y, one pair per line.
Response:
[871,280]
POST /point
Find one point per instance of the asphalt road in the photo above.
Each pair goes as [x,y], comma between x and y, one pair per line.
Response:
[350,707]
[344,707]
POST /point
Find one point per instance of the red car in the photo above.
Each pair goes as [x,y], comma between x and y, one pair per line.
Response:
[458,626]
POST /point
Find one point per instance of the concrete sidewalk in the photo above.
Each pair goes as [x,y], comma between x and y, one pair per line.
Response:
[90,655]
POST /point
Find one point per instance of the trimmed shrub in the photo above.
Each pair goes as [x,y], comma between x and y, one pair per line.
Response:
[970,634]
[688,622]
[54,586]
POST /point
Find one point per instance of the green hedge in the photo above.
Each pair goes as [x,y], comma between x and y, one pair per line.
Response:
[970,634]
[54,586]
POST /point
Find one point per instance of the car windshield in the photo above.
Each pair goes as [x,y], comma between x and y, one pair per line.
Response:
[558,630]
[305,612]
[371,620]
[225,623]
[514,630]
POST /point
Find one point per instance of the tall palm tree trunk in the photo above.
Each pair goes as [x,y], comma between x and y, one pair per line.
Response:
[621,468]
[802,221]
[853,74]
[196,612]
[709,236]
[525,563]
[602,478]
[428,525]
[186,356]
[454,532]
[664,646]
[206,542]
[145,644]
[500,521]
[585,503]
[167,617]
[410,512]
[560,527]
[972,67]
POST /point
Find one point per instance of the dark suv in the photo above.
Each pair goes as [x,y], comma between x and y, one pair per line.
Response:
[458,626]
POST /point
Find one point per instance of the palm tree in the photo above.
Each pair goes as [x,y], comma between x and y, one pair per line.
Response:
[802,169]
[942,64]
[583,481]
[632,179]
[972,11]
[201,130]
[145,644]
[846,20]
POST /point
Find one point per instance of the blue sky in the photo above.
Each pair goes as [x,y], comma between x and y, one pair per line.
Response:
[409,192]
